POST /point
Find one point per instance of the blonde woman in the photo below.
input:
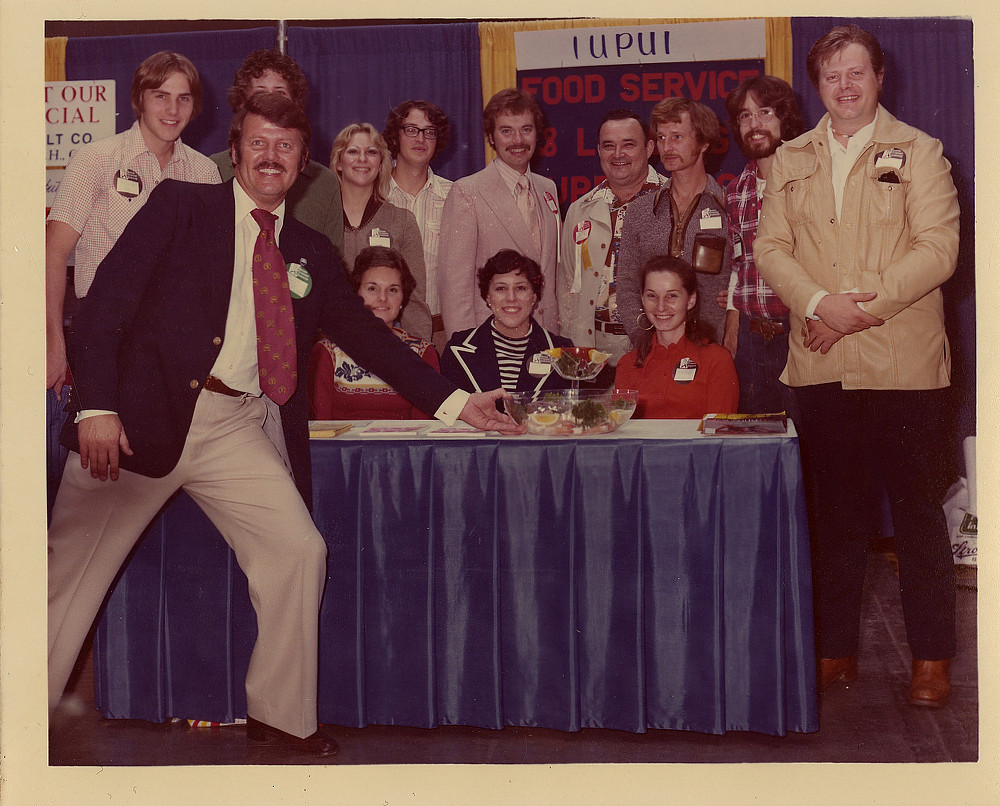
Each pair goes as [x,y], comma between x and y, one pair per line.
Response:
[360,158]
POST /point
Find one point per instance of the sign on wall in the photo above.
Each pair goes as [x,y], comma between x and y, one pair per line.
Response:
[76,113]
[579,74]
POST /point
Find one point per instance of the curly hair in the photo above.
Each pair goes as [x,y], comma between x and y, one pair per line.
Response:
[158,68]
[693,328]
[394,125]
[372,257]
[258,63]
[381,188]
[766,91]
[506,261]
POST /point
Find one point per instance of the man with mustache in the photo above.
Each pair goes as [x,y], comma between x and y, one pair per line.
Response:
[762,114]
[503,206]
[198,334]
[588,307]
[314,199]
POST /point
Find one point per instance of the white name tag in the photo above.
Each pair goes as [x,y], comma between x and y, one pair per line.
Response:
[710,219]
[379,237]
[685,371]
[737,248]
[894,158]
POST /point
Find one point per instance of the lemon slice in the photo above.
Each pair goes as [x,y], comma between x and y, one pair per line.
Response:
[619,416]
[544,417]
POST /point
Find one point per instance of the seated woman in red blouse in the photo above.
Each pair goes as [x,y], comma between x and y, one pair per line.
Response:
[339,389]
[676,369]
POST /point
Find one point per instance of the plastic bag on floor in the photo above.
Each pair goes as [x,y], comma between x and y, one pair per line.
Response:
[962,524]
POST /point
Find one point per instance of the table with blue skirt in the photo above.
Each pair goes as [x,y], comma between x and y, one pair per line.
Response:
[649,578]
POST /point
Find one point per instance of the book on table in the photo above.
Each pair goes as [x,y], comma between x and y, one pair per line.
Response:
[744,425]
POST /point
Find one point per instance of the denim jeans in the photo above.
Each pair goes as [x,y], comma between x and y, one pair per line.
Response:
[758,364]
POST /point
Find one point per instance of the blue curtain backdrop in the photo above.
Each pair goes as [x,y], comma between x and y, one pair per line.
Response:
[928,84]
[216,54]
[360,73]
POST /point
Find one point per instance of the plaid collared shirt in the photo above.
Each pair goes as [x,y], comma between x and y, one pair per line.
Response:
[752,295]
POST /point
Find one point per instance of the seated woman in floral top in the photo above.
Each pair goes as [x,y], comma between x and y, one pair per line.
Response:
[339,389]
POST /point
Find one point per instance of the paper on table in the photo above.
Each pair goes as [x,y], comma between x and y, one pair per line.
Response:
[324,429]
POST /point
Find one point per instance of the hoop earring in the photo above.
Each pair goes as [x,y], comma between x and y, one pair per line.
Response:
[639,322]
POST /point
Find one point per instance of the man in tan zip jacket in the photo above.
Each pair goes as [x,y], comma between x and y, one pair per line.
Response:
[858,232]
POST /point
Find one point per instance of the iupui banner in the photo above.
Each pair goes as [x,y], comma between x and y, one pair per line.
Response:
[579,74]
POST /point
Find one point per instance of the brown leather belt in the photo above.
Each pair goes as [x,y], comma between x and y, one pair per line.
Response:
[213,384]
[768,328]
[612,328]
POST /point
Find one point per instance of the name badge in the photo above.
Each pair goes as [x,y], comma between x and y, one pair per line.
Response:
[737,248]
[300,282]
[128,183]
[710,219]
[553,207]
[581,232]
[891,158]
[685,371]
[540,365]
[379,237]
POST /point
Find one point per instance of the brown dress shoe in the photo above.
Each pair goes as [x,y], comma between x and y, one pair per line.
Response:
[317,744]
[929,686]
[833,670]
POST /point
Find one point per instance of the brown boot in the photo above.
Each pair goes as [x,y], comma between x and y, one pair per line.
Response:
[832,670]
[929,686]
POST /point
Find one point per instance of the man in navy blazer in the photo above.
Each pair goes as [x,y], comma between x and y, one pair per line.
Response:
[168,396]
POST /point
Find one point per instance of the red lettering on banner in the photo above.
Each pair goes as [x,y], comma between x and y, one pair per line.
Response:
[630,87]
[697,89]
[581,149]
[570,89]
[572,188]
[673,85]
[530,84]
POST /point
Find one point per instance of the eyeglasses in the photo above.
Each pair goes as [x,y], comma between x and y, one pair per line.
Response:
[430,133]
[765,115]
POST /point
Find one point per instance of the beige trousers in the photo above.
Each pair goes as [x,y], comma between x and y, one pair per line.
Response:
[233,471]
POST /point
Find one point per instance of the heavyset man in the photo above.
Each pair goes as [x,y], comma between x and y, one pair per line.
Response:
[859,231]
[503,206]
[197,335]
[314,199]
[416,132]
[588,306]
[105,184]
[762,114]
[689,206]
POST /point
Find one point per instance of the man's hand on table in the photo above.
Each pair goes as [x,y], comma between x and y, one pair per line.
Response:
[101,439]
[481,411]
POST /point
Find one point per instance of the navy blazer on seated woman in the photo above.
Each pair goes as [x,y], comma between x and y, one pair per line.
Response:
[470,360]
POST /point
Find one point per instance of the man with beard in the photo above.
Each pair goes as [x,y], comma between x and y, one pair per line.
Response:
[197,330]
[504,206]
[762,113]
[588,307]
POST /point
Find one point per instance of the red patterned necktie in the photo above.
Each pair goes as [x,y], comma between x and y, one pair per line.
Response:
[276,356]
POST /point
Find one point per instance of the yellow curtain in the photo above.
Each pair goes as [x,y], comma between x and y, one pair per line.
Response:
[55,58]
[498,61]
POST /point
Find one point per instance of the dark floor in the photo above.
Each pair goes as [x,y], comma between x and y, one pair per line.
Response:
[868,721]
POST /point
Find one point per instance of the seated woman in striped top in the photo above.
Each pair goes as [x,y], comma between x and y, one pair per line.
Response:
[503,350]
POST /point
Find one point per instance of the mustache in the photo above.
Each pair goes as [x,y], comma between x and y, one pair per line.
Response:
[276,166]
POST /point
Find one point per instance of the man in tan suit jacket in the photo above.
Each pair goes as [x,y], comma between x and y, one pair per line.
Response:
[493,210]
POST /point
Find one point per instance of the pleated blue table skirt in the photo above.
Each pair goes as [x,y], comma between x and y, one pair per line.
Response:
[627,584]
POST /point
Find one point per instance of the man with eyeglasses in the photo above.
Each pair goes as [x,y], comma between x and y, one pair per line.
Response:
[416,132]
[762,114]
[587,292]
